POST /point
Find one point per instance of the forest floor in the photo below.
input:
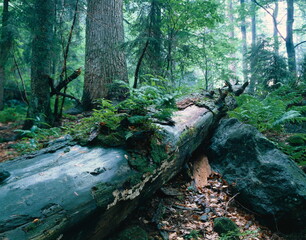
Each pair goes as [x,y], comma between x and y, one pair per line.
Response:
[7,134]
[180,210]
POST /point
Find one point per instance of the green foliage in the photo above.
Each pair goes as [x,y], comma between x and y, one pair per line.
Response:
[271,113]
[194,234]
[294,146]
[118,123]
[269,68]
[12,114]
[35,138]
[282,106]
[240,235]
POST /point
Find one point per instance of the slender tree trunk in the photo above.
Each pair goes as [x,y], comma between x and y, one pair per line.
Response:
[232,66]
[42,27]
[244,42]
[5,47]
[156,41]
[289,39]
[2,79]
[253,58]
[275,32]
[105,59]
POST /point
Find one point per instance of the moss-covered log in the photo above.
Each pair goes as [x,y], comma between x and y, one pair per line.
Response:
[75,192]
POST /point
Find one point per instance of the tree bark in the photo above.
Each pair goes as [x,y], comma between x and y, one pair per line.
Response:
[244,42]
[253,58]
[39,111]
[289,39]
[156,42]
[6,42]
[105,59]
[2,80]
[275,32]
[232,65]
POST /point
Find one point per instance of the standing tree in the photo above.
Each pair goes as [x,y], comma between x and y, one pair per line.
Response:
[105,59]
[253,59]
[6,41]
[289,38]
[275,33]
[244,40]
[42,30]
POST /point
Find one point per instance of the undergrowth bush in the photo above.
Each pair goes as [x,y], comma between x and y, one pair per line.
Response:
[270,114]
[35,138]
[135,114]
[12,114]
[284,105]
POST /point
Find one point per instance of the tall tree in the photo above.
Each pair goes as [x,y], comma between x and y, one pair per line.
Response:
[289,38]
[275,32]
[105,59]
[151,51]
[5,46]
[232,66]
[42,29]
[244,40]
[253,58]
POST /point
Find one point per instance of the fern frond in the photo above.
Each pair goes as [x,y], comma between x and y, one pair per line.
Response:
[287,116]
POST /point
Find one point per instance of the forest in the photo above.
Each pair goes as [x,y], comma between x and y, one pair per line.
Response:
[153,119]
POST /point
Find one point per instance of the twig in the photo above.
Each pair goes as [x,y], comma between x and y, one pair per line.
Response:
[230,200]
[26,100]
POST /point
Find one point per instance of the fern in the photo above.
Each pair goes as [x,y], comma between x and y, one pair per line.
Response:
[287,117]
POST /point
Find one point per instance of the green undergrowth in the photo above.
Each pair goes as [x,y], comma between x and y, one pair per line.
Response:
[130,124]
[35,138]
[13,114]
[271,114]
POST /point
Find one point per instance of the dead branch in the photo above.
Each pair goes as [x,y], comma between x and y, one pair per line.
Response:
[64,83]
[241,89]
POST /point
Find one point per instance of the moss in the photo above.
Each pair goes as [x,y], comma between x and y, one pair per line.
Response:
[112,140]
[158,152]
[135,179]
[102,193]
[225,226]
[187,134]
[141,163]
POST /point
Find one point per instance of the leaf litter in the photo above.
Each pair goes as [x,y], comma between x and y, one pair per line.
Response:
[184,210]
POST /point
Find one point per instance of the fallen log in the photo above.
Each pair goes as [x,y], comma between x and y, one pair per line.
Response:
[77,192]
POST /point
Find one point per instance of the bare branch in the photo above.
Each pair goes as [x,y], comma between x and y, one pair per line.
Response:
[274,19]
[299,44]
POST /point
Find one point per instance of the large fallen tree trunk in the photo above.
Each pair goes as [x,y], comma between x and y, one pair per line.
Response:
[80,192]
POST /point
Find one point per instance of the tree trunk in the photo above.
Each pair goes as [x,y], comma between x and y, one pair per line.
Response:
[42,24]
[275,32]
[6,42]
[289,39]
[2,79]
[253,57]
[105,59]
[232,65]
[156,41]
[244,41]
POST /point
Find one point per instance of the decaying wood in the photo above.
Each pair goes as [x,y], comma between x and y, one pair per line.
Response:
[56,89]
[201,171]
[80,192]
